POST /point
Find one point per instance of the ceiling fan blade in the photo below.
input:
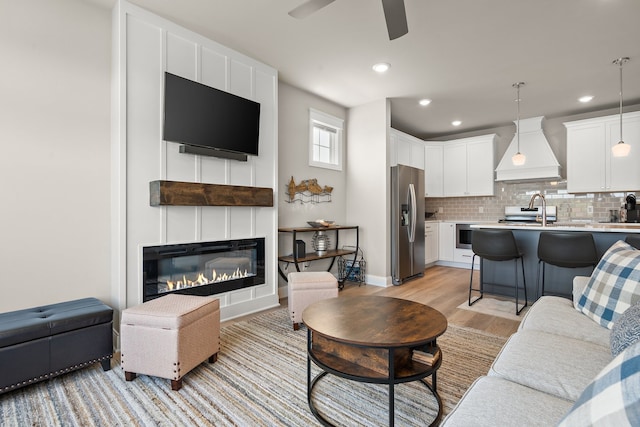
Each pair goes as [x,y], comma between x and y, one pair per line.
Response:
[396,18]
[309,7]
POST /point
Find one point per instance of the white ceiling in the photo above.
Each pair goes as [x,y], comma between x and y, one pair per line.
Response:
[463,54]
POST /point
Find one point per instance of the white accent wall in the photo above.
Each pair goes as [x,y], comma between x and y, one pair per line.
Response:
[145,46]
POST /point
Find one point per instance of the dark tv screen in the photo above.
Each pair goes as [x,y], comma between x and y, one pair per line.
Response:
[199,115]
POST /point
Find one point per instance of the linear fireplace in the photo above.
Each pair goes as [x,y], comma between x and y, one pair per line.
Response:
[203,268]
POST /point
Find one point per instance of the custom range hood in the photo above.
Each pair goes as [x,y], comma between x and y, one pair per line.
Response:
[540,162]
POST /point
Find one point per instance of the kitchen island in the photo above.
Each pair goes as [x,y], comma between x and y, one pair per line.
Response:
[558,280]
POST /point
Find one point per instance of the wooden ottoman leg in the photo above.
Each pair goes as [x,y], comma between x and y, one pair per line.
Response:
[213,358]
[176,384]
[129,376]
[296,326]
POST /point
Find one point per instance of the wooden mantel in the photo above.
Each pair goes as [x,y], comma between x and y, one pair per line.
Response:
[176,193]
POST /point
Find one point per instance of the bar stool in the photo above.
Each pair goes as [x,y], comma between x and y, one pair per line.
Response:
[496,245]
[565,250]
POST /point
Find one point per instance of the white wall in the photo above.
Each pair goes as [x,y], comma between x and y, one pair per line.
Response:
[54,161]
[147,46]
[293,154]
[368,185]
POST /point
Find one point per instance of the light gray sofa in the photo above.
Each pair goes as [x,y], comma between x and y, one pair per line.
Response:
[541,370]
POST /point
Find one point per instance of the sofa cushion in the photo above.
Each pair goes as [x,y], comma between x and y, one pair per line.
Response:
[551,363]
[558,316]
[626,331]
[614,285]
[613,397]
[493,401]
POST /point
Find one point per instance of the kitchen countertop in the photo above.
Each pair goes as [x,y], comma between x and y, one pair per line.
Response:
[600,227]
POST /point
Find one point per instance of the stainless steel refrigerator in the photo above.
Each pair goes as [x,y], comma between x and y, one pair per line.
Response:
[407,223]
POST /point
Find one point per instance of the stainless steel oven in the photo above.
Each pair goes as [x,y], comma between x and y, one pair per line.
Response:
[463,236]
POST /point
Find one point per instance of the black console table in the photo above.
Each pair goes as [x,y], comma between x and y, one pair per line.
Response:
[313,256]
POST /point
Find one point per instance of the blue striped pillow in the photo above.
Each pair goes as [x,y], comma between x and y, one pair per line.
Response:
[613,397]
[614,285]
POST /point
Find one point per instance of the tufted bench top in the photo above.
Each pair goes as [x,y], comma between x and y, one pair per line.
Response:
[32,323]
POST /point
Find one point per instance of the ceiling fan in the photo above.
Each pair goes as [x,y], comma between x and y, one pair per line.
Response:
[394,14]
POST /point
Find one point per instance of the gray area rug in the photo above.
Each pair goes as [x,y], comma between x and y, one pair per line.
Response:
[258,380]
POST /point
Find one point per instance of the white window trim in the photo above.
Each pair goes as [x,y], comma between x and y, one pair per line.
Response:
[332,122]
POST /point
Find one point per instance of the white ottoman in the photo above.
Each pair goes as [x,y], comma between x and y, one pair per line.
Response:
[169,336]
[306,288]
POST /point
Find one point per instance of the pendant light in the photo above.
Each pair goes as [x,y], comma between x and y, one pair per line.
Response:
[621,149]
[518,159]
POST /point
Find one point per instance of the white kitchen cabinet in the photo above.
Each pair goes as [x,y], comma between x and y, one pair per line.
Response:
[591,168]
[431,250]
[433,168]
[446,240]
[465,256]
[406,150]
[468,166]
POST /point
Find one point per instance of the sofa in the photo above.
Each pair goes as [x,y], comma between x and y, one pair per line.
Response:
[559,367]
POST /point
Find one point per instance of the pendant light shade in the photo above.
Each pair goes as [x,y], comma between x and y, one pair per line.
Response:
[621,149]
[518,159]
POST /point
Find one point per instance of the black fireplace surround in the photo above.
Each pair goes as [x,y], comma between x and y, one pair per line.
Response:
[202,268]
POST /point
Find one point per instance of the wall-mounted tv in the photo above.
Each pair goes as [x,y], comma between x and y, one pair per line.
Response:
[210,121]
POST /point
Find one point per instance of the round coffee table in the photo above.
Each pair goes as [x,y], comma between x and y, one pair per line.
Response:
[373,339]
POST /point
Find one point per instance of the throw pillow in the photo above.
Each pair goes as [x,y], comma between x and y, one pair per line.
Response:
[613,397]
[626,330]
[614,285]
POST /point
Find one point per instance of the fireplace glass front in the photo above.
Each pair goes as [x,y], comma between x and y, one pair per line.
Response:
[203,268]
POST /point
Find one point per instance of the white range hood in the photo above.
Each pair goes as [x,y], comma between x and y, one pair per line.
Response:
[540,162]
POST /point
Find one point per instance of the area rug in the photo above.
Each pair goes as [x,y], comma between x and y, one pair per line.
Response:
[258,380]
[495,307]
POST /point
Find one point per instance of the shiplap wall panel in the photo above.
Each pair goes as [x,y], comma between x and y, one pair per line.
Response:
[214,69]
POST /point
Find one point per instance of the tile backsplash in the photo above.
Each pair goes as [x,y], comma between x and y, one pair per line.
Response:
[571,207]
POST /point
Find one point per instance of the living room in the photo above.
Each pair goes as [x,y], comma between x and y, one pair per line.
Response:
[67,209]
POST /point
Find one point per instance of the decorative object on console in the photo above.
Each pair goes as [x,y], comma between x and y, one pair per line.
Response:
[308,191]
[614,285]
[518,159]
[320,242]
[621,149]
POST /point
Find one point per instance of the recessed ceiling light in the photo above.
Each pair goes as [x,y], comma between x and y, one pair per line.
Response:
[424,102]
[585,98]
[456,122]
[381,67]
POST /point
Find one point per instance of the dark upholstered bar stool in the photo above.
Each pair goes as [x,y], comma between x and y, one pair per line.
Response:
[633,240]
[496,245]
[565,250]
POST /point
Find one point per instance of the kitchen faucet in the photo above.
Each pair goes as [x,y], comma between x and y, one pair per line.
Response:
[544,207]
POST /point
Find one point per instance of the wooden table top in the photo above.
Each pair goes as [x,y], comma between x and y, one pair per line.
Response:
[375,321]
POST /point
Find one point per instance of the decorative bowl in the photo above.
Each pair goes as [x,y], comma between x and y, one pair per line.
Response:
[320,223]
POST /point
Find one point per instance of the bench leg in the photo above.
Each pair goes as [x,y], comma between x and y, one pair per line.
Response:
[176,384]
[106,364]
[213,358]
[129,376]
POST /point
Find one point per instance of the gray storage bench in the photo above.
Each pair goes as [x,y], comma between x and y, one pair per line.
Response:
[43,342]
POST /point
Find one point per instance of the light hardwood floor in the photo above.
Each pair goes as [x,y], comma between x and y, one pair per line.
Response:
[443,288]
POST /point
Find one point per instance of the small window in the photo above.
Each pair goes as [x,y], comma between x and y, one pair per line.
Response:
[325,140]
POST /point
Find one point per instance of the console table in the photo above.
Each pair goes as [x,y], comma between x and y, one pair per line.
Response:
[313,256]
[372,339]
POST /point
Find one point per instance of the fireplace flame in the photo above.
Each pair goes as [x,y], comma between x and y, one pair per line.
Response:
[203,280]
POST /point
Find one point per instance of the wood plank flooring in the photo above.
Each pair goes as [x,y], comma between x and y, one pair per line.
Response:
[443,288]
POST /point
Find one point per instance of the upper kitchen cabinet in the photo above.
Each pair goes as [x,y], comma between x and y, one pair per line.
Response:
[433,169]
[591,167]
[406,150]
[468,166]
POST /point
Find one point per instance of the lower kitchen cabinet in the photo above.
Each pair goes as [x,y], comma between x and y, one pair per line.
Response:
[431,250]
[446,240]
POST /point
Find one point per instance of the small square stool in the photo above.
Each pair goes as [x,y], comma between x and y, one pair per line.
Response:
[306,288]
[169,336]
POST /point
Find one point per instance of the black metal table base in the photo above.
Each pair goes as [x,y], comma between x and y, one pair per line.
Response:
[312,383]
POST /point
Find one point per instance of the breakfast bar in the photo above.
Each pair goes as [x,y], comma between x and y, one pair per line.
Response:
[558,280]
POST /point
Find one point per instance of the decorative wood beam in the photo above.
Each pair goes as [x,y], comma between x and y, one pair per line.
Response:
[176,193]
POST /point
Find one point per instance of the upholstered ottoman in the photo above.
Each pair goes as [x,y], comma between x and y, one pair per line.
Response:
[169,336]
[306,288]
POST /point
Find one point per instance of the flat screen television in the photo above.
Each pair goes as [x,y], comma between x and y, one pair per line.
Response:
[210,119]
